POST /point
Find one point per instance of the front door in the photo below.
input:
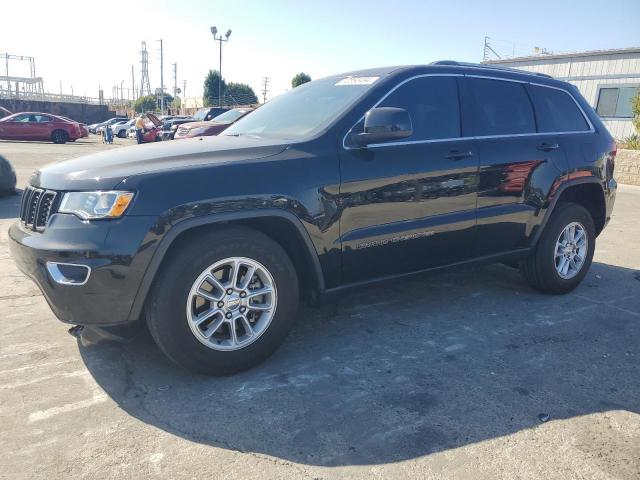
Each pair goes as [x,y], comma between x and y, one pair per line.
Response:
[410,205]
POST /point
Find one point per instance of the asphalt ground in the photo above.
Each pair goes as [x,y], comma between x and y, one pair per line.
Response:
[468,375]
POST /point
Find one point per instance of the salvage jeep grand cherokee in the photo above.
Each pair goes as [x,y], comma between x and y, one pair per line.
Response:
[350,179]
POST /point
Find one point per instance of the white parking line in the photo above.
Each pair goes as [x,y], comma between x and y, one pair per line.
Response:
[98,397]
[76,373]
[39,365]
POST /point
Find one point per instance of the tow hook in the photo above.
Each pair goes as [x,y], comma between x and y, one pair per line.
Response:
[76,331]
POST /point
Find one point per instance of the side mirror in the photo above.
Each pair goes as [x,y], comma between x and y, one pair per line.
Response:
[383,124]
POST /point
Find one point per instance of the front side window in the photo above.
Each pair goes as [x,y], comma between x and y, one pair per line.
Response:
[616,101]
[556,111]
[432,103]
[500,107]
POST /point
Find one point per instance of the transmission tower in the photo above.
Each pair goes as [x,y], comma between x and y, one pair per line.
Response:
[265,88]
[145,85]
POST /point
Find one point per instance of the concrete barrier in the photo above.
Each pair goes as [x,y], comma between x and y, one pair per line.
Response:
[627,167]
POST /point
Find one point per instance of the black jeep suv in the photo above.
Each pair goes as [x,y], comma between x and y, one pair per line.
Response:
[350,179]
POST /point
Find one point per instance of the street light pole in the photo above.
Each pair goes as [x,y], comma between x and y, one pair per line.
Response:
[220,39]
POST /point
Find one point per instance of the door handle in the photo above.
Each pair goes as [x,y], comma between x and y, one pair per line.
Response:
[458,155]
[547,147]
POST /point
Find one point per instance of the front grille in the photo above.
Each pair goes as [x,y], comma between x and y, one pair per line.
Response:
[36,207]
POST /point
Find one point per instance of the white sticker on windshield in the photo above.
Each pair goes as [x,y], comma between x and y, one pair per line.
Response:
[357,81]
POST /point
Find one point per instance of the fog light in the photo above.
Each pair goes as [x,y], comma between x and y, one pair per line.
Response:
[68,273]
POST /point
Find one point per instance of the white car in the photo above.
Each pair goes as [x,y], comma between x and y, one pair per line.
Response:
[120,129]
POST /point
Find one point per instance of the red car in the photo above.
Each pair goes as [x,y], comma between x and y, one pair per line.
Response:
[40,126]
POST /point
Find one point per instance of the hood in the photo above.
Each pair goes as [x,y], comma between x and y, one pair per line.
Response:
[105,170]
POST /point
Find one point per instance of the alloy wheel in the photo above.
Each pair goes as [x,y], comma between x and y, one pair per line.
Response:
[571,250]
[231,304]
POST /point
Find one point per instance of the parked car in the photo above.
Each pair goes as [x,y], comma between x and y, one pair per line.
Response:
[212,127]
[343,181]
[120,129]
[169,127]
[93,128]
[7,178]
[4,112]
[153,127]
[39,126]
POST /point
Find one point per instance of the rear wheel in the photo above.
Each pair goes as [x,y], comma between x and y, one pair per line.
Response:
[59,136]
[224,301]
[564,252]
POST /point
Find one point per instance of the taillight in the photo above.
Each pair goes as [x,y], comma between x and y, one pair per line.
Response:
[610,163]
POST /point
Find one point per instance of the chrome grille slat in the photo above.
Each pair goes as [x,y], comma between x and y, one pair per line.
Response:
[36,207]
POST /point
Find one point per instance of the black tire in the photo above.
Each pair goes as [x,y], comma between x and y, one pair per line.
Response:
[166,312]
[122,133]
[539,268]
[59,136]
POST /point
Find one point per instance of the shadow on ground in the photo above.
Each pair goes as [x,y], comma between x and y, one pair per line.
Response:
[399,371]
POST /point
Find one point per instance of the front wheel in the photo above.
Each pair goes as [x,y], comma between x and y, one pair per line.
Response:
[564,252]
[224,301]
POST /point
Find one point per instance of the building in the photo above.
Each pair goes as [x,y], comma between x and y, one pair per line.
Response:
[608,79]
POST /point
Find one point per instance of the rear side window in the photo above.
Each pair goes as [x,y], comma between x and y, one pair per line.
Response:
[556,111]
[433,105]
[500,107]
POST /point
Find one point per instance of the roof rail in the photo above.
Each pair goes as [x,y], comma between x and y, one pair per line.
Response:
[492,67]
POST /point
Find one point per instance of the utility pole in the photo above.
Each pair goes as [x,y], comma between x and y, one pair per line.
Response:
[175,79]
[161,79]
[184,89]
[220,39]
[133,84]
[265,88]
[488,50]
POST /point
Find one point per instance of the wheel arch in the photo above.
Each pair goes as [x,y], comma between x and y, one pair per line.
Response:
[283,227]
[587,192]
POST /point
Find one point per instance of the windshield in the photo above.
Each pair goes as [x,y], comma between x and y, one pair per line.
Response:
[230,116]
[201,114]
[304,110]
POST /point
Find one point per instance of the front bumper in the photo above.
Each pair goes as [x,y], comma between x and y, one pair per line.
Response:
[108,248]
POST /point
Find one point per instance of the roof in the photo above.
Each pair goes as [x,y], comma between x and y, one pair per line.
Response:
[588,53]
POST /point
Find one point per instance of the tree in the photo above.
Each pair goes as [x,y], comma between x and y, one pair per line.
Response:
[240,93]
[635,108]
[299,79]
[211,85]
[145,104]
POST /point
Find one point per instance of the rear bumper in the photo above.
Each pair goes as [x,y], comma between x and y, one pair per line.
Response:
[610,199]
[108,294]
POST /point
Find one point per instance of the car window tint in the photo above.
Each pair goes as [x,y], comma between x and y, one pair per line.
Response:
[556,111]
[43,118]
[432,103]
[500,107]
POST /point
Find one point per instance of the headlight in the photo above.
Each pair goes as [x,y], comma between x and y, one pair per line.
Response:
[92,205]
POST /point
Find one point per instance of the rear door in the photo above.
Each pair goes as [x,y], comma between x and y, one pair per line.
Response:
[42,128]
[512,153]
[410,205]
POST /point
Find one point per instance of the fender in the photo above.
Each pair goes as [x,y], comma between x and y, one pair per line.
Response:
[556,194]
[184,225]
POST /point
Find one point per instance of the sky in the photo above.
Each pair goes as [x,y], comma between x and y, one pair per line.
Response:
[85,46]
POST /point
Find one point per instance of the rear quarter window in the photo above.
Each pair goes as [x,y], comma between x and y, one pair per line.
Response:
[556,111]
[500,107]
